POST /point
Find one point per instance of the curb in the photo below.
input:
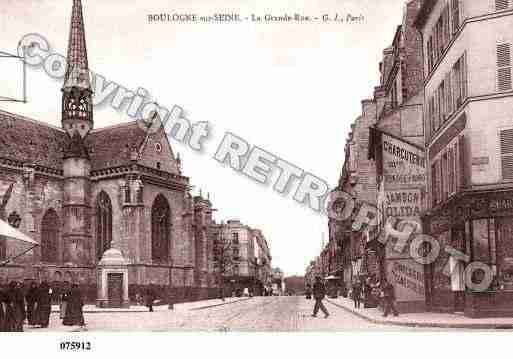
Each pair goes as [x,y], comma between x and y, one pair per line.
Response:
[220,304]
[113,310]
[423,325]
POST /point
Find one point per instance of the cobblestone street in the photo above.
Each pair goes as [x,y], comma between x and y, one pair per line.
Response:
[256,314]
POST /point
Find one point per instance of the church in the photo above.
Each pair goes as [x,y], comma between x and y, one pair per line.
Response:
[109,207]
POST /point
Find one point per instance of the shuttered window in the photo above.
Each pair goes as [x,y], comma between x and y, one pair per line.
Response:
[501,5]
[456,15]
[504,67]
[462,173]
[448,91]
[434,182]
[506,144]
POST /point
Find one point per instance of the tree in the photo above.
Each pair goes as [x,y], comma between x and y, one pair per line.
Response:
[223,258]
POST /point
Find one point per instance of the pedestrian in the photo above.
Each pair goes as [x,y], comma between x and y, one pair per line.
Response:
[44,305]
[319,292]
[150,297]
[388,298]
[63,299]
[356,293]
[308,291]
[74,307]
[14,312]
[31,299]
[3,303]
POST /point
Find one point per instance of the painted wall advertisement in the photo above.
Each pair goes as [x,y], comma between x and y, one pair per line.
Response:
[407,277]
[404,165]
[402,198]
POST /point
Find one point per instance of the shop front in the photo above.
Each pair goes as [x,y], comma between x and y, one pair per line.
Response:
[479,225]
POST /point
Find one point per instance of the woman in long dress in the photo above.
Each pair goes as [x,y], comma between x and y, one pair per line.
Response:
[74,314]
[44,302]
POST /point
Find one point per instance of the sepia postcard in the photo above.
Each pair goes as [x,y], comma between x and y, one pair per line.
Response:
[186,172]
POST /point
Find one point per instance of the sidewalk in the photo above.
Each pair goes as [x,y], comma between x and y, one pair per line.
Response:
[202,304]
[426,320]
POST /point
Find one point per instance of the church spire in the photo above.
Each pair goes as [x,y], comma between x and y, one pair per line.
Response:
[77,70]
[77,104]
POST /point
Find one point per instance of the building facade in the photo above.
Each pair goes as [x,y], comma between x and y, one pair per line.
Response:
[469,136]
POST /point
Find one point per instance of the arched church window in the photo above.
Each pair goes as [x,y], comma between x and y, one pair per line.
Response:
[50,237]
[103,224]
[160,229]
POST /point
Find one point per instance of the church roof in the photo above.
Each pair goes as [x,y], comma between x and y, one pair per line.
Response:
[30,141]
[113,146]
[34,142]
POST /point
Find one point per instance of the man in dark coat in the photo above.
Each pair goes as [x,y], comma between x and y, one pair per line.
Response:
[44,305]
[31,299]
[74,308]
[150,296]
[357,293]
[319,292]
[388,298]
[14,312]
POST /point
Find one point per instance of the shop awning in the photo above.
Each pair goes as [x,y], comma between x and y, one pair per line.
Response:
[9,232]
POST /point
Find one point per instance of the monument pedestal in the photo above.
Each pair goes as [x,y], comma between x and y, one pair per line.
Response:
[113,280]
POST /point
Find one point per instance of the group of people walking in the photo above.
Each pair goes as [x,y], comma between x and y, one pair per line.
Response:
[34,306]
[383,291]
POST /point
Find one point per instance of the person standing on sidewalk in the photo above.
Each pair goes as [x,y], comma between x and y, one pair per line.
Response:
[44,305]
[319,292]
[357,292]
[150,296]
[31,299]
[388,298]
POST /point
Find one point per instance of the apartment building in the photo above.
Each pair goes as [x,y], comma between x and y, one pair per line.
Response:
[469,139]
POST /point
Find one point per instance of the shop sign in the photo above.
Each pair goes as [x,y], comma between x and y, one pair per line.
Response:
[403,203]
[404,165]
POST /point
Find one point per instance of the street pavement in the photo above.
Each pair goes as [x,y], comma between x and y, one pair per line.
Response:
[261,314]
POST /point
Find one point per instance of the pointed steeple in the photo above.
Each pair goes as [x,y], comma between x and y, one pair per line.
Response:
[77,70]
[77,104]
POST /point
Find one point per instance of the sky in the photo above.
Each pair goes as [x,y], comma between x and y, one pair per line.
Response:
[292,89]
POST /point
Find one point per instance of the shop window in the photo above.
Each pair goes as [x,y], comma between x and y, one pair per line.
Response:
[505,252]
[481,241]
[440,279]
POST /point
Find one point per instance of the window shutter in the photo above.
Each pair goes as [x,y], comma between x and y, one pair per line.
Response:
[506,143]
[501,5]
[434,175]
[461,168]
[504,67]
[464,76]
[456,19]
[448,94]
